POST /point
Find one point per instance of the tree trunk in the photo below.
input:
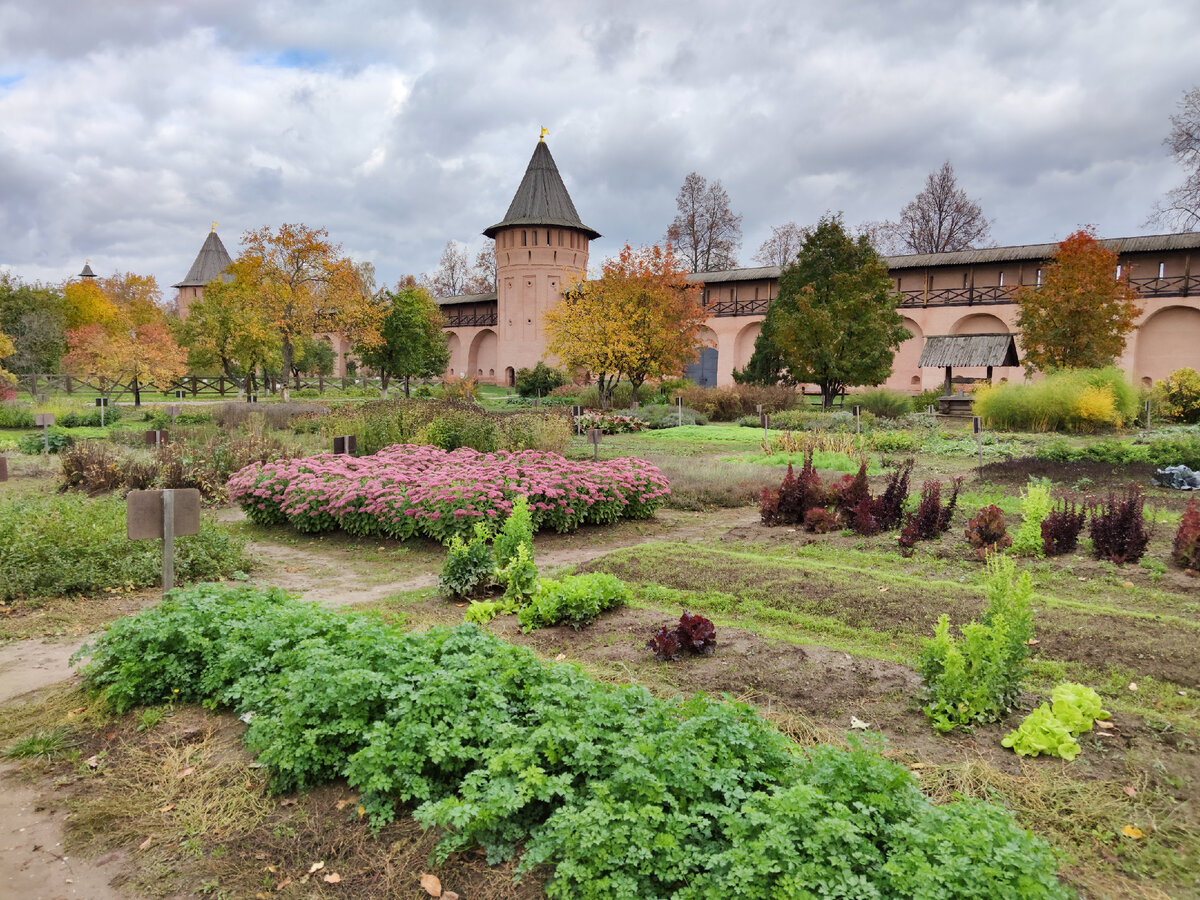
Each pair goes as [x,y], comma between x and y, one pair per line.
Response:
[288,353]
[137,392]
[407,378]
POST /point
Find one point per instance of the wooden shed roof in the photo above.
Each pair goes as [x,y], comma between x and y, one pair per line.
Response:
[943,350]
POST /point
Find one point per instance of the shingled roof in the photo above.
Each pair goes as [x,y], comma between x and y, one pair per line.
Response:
[943,350]
[87,271]
[210,262]
[542,198]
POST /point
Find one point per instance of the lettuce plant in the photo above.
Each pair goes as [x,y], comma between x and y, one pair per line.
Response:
[1051,728]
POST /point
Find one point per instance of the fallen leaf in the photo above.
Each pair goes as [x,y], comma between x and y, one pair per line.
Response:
[331,878]
[449,895]
[362,811]
[316,867]
[342,804]
[184,773]
[1132,831]
[283,884]
[560,657]
[1033,642]
[856,722]
[1133,685]
[460,605]
[145,845]
[288,801]
[432,884]
[167,808]
[919,766]
[272,869]
[883,590]
[77,711]
[1130,791]
[93,762]
[1106,726]
[1127,584]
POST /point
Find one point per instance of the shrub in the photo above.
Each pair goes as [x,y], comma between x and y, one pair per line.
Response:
[56,439]
[516,530]
[1060,529]
[540,380]
[1178,396]
[663,416]
[544,431]
[464,390]
[610,423]
[490,746]
[576,600]
[469,567]
[621,396]
[795,497]
[1118,528]
[694,633]
[976,678]
[519,577]
[1035,507]
[987,532]
[888,508]
[1074,400]
[406,490]
[92,466]
[728,404]
[884,402]
[13,415]
[89,417]
[1185,549]
[820,521]
[70,545]
[1175,450]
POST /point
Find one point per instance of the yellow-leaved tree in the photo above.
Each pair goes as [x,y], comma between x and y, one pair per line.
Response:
[8,380]
[298,283]
[640,320]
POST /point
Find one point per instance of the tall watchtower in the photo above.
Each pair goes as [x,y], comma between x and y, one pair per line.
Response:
[541,245]
[212,260]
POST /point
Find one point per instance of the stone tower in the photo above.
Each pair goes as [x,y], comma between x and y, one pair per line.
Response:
[211,261]
[541,246]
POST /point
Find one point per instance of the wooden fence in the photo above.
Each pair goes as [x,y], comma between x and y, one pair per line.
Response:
[195,387]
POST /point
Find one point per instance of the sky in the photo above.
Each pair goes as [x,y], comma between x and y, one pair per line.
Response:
[127,128]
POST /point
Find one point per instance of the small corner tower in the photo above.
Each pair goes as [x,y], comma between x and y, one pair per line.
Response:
[211,261]
[541,245]
[87,270]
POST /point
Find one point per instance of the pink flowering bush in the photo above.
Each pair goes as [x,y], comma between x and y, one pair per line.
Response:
[408,490]
[610,423]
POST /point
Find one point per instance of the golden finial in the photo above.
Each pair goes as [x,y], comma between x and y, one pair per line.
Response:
[88,261]
[214,228]
[542,139]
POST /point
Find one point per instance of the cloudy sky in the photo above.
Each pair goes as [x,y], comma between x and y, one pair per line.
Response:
[127,126]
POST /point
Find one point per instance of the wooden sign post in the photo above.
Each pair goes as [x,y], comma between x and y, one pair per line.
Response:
[977,424]
[765,418]
[252,398]
[3,468]
[151,515]
[180,394]
[679,408]
[577,412]
[102,402]
[345,445]
[44,421]
[858,420]
[1147,415]
[173,411]
[594,440]
[157,438]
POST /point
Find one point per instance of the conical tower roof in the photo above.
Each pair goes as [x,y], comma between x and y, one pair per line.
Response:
[210,262]
[542,198]
[87,270]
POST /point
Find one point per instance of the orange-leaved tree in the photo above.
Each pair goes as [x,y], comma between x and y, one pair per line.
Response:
[142,355]
[8,381]
[303,285]
[640,320]
[1081,314]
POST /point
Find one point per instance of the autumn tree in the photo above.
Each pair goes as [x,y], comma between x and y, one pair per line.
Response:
[301,285]
[225,332]
[145,354]
[705,231]
[34,317]
[411,341]
[834,322]
[8,381]
[1081,314]
[782,246]
[940,219]
[640,320]
[1180,209]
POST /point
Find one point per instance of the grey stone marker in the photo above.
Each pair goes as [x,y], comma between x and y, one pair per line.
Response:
[594,439]
[151,515]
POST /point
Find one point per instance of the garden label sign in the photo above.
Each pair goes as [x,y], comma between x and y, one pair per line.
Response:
[346,444]
[977,424]
[172,411]
[3,468]
[102,402]
[151,515]
[577,412]
[44,421]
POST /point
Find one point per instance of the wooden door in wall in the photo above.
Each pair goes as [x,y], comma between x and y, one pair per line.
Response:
[704,370]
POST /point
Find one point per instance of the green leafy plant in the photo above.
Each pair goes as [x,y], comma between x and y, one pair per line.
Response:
[576,600]
[56,438]
[519,577]
[976,679]
[469,567]
[1036,506]
[516,530]
[1051,728]
[481,611]
[615,792]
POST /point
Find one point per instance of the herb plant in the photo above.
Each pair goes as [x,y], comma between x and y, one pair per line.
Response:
[469,568]
[1035,507]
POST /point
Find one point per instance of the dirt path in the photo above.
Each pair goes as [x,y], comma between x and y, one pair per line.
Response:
[28,665]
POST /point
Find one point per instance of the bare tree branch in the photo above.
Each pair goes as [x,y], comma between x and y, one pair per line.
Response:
[941,218]
[782,246]
[705,231]
[1180,209]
